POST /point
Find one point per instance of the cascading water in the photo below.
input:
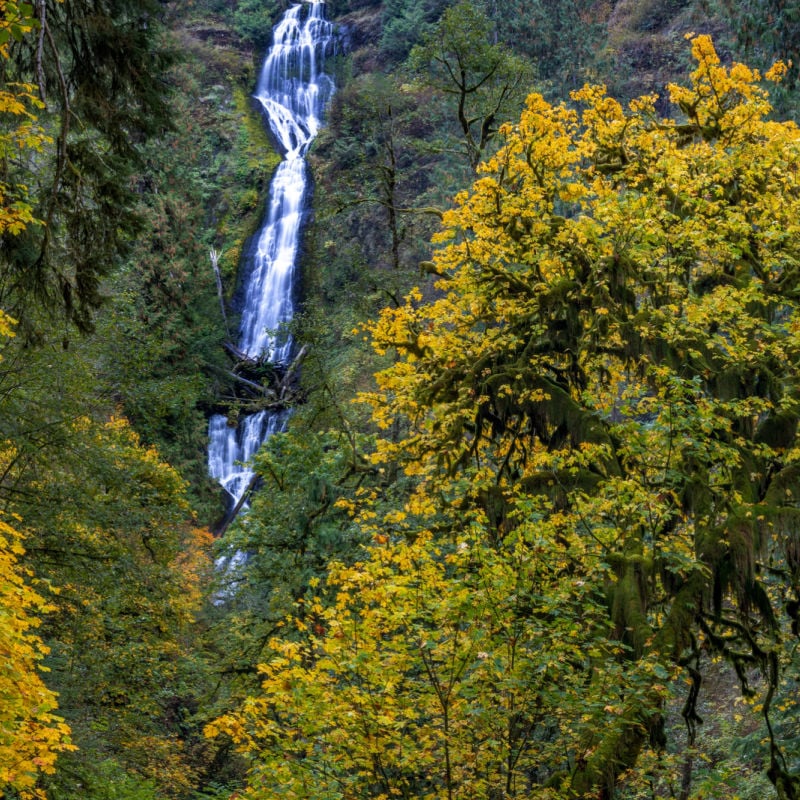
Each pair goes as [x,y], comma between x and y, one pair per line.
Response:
[293,91]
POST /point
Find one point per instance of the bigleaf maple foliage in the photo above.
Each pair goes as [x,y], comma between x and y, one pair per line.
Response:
[600,413]
[31,735]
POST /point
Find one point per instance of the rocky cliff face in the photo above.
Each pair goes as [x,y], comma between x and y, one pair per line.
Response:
[646,47]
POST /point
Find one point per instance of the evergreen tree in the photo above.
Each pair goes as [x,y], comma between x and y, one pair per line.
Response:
[100,70]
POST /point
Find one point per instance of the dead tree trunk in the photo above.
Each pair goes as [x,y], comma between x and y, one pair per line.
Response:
[214,255]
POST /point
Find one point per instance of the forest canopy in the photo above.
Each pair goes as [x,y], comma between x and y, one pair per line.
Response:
[598,418]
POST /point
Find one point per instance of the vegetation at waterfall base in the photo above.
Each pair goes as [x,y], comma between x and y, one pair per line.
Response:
[550,551]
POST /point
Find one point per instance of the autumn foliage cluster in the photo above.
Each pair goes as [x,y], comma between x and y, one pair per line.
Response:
[31,734]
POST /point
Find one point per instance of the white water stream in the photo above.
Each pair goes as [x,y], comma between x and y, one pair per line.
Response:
[293,90]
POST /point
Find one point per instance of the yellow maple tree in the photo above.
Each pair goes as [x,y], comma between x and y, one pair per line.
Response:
[20,102]
[598,416]
[31,734]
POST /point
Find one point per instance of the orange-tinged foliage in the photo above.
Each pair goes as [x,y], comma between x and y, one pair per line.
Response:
[15,21]
[194,564]
[18,100]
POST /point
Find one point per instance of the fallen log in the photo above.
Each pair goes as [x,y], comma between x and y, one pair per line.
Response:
[233,513]
[256,387]
[240,355]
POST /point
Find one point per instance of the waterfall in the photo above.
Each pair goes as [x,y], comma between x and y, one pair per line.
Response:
[293,91]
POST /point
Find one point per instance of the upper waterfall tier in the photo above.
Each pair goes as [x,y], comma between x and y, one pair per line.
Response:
[292,88]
